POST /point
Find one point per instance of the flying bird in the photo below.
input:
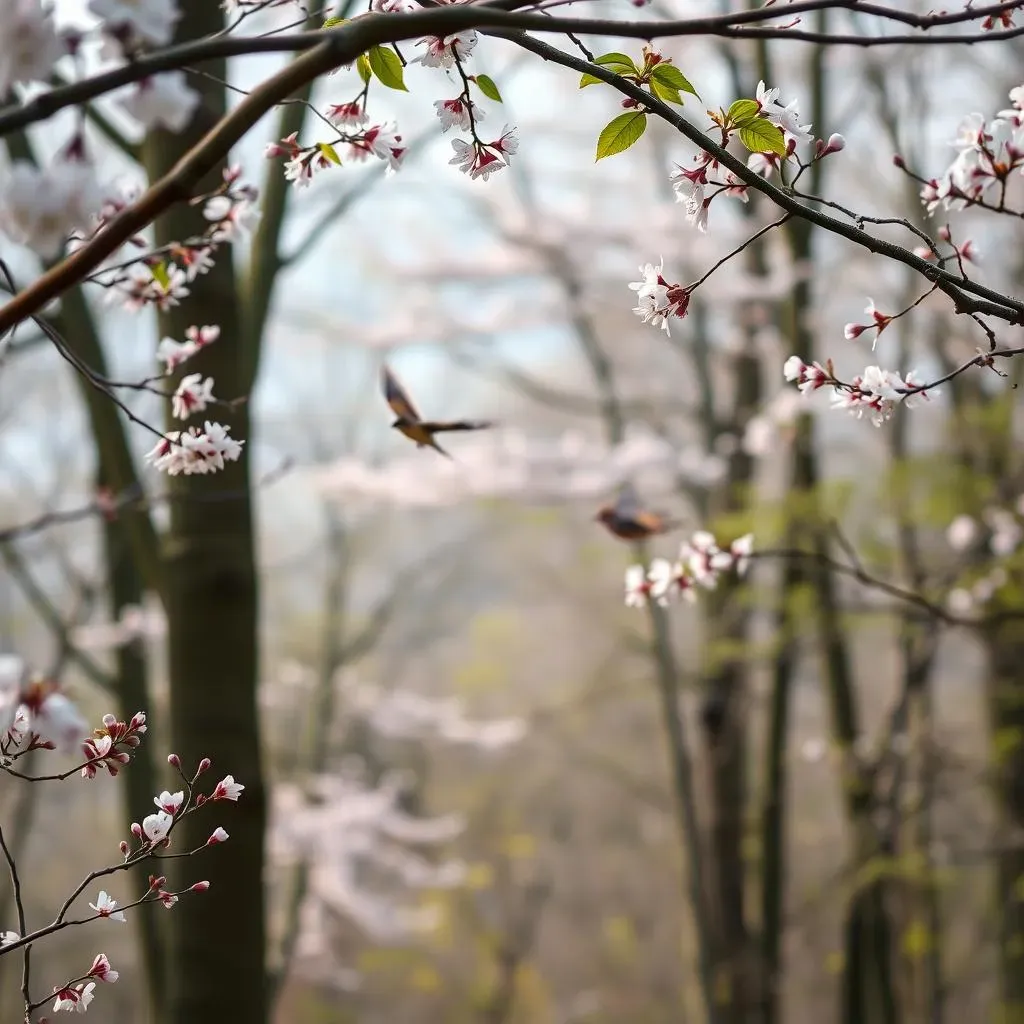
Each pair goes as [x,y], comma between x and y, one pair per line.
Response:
[410,423]
[629,520]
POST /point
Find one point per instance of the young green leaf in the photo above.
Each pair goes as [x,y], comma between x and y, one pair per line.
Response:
[617,63]
[761,136]
[666,92]
[620,63]
[160,274]
[363,67]
[621,133]
[486,85]
[743,111]
[670,75]
[332,22]
[387,66]
[329,151]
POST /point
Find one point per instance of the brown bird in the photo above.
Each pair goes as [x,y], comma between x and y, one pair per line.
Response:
[412,425]
[629,520]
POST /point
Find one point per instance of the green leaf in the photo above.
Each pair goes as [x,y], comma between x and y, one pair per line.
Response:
[670,75]
[617,63]
[620,63]
[761,136]
[743,111]
[329,151]
[620,133]
[333,22]
[363,67]
[665,92]
[486,85]
[160,274]
[387,66]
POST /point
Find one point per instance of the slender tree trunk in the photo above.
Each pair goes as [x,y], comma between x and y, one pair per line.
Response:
[217,944]
[1006,702]
[725,730]
[140,779]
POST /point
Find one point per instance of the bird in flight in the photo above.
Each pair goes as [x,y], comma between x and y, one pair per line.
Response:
[629,520]
[410,423]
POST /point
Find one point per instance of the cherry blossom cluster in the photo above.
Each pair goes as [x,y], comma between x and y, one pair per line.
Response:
[41,207]
[161,277]
[770,130]
[698,184]
[110,746]
[192,451]
[76,995]
[34,715]
[875,393]
[195,451]
[379,140]
[358,139]
[700,564]
[999,531]
[657,298]
[988,152]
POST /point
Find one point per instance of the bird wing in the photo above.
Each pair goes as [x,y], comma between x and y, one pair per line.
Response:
[401,404]
[628,504]
[441,427]
[649,521]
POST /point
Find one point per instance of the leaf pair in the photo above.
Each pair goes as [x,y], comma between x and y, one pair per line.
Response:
[757,133]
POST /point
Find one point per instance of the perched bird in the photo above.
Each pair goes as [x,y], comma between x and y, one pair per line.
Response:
[629,520]
[409,422]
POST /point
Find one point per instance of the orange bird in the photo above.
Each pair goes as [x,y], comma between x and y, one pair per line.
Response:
[412,425]
[629,520]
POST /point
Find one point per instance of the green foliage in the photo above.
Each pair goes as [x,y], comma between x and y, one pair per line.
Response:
[617,63]
[742,112]
[329,152]
[363,67]
[761,136]
[387,66]
[667,82]
[486,85]
[160,275]
[620,133]
[934,489]
[1004,744]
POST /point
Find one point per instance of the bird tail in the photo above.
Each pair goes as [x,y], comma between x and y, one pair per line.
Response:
[437,448]
[453,425]
[669,525]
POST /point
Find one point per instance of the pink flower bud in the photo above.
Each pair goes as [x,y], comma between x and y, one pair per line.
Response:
[199,887]
[109,720]
[136,830]
[943,233]
[898,161]
[174,761]
[218,836]
[204,765]
[123,847]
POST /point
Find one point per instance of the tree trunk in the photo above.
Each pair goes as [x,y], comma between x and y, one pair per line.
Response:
[1006,703]
[217,944]
[140,778]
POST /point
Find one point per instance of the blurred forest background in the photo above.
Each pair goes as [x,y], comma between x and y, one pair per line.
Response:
[494,793]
